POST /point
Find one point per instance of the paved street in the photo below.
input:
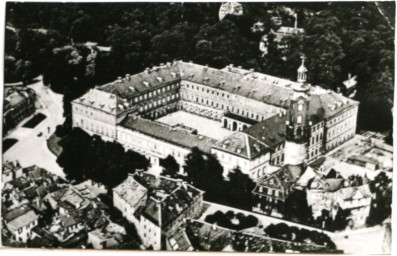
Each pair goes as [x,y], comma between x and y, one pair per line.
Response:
[31,149]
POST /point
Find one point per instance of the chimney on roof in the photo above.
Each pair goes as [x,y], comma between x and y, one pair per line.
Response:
[205,67]
[128,76]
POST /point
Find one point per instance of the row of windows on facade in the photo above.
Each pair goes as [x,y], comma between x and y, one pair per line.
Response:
[269,191]
[94,113]
[158,102]
[155,92]
[204,89]
[340,140]
[277,160]
[149,145]
[225,107]
[317,138]
[28,226]
[315,152]
[343,116]
[100,129]
[258,173]
[342,127]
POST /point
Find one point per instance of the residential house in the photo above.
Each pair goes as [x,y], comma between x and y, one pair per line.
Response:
[156,205]
[20,222]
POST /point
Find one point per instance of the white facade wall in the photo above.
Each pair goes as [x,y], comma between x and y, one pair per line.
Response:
[150,233]
[24,233]
[253,168]
[151,147]
[222,100]
[315,145]
[126,209]
[341,127]
[94,120]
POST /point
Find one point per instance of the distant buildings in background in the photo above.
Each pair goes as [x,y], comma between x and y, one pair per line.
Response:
[232,8]
[19,103]
[336,182]
[279,34]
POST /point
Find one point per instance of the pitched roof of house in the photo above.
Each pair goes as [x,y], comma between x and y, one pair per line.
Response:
[153,78]
[131,191]
[328,185]
[242,144]
[179,241]
[350,193]
[107,102]
[167,198]
[280,180]
[351,82]
[364,159]
[271,131]
[20,217]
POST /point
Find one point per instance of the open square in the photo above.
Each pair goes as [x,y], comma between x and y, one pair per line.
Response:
[204,126]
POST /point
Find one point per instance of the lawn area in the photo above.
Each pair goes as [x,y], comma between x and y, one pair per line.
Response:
[35,120]
[8,143]
[53,144]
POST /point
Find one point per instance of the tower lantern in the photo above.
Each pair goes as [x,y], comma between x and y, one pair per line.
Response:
[302,70]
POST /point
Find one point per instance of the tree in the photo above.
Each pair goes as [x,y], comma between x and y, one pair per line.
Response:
[170,166]
[89,157]
[381,186]
[297,208]
[240,188]
[204,172]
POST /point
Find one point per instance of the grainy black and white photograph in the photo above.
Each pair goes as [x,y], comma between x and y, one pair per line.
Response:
[198,126]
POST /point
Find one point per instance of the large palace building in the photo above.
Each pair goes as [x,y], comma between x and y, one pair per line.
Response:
[269,120]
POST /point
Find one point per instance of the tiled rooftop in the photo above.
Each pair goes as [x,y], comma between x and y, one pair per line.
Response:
[242,144]
[166,198]
[167,133]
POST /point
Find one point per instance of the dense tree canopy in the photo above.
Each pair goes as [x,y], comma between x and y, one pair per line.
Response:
[89,157]
[340,38]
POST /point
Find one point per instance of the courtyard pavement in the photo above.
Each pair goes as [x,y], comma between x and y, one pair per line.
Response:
[204,126]
[30,148]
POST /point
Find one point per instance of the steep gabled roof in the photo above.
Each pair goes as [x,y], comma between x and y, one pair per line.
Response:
[242,144]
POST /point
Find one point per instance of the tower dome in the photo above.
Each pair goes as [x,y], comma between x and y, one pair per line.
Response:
[302,70]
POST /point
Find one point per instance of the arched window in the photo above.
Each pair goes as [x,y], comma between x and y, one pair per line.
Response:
[300,107]
[299,119]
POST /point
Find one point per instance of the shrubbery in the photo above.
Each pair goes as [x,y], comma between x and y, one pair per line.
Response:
[231,220]
[301,235]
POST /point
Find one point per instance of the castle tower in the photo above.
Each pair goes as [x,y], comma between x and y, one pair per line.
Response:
[298,125]
[297,132]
